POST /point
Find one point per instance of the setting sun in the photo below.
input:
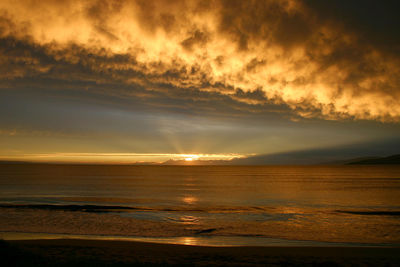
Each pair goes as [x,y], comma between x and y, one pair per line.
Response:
[191,157]
[194,157]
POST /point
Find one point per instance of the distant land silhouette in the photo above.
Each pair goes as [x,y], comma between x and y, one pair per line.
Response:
[394,159]
[338,155]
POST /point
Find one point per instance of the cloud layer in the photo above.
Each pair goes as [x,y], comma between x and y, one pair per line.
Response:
[327,60]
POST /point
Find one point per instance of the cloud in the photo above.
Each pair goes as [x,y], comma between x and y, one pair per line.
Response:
[256,53]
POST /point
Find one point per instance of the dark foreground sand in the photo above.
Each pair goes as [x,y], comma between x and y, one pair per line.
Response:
[124,253]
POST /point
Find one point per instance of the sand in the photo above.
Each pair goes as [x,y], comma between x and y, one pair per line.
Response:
[75,252]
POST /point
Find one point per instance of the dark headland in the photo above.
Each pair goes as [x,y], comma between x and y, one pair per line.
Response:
[391,160]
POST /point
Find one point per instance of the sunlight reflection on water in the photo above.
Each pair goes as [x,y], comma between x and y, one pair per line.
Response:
[335,203]
[190,200]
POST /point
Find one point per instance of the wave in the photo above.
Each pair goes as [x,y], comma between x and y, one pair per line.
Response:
[373,212]
[118,208]
[84,208]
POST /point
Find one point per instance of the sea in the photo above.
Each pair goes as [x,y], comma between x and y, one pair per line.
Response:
[346,205]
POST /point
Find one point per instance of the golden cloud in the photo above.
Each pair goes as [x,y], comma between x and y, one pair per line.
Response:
[280,48]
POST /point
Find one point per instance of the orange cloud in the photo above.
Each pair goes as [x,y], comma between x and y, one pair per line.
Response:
[234,48]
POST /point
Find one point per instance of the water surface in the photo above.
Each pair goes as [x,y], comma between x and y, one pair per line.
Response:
[347,204]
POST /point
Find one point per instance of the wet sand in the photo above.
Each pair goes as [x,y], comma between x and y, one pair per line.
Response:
[74,252]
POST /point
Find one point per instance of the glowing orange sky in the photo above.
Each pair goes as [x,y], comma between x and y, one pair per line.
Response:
[119,158]
[261,62]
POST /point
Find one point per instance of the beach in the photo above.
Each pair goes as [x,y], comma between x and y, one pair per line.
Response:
[74,252]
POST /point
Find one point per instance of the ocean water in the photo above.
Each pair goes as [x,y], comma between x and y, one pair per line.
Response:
[203,204]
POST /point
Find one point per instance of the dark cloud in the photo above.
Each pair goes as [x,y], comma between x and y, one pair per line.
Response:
[264,21]
[325,59]
[375,22]
[197,38]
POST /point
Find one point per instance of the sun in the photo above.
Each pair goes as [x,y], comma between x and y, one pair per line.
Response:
[191,157]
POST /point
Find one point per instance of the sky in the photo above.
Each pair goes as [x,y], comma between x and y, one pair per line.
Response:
[154,80]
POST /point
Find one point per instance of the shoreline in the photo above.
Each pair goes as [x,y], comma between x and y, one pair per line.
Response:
[204,241]
[66,252]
